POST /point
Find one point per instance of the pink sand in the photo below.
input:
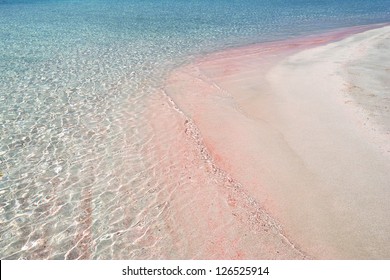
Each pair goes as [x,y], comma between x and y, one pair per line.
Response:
[235,185]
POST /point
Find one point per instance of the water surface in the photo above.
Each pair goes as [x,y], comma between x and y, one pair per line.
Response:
[74,80]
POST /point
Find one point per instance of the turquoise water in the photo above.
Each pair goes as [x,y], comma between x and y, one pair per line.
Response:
[74,77]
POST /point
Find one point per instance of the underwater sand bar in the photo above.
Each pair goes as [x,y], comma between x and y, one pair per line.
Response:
[282,120]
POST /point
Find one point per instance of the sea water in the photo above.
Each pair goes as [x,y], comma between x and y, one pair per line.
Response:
[74,79]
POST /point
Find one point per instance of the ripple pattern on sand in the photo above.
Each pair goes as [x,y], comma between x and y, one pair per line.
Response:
[79,173]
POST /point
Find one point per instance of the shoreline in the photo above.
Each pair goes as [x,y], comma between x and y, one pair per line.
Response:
[230,126]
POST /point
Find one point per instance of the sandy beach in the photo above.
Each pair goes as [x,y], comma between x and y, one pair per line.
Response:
[284,149]
[194,130]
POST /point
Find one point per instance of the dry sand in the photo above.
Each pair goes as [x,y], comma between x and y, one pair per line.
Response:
[332,105]
[280,150]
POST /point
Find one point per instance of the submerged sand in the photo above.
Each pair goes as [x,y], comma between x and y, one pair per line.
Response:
[278,150]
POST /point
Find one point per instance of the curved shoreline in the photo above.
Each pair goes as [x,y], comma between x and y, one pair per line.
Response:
[209,92]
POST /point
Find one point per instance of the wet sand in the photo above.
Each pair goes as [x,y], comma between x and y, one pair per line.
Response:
[273,154]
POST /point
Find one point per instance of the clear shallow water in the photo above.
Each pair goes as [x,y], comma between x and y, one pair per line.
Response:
[74,77]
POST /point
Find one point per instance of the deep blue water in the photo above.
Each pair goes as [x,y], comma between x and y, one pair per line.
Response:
[74,75]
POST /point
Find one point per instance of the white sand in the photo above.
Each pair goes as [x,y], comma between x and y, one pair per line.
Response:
[332,106]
